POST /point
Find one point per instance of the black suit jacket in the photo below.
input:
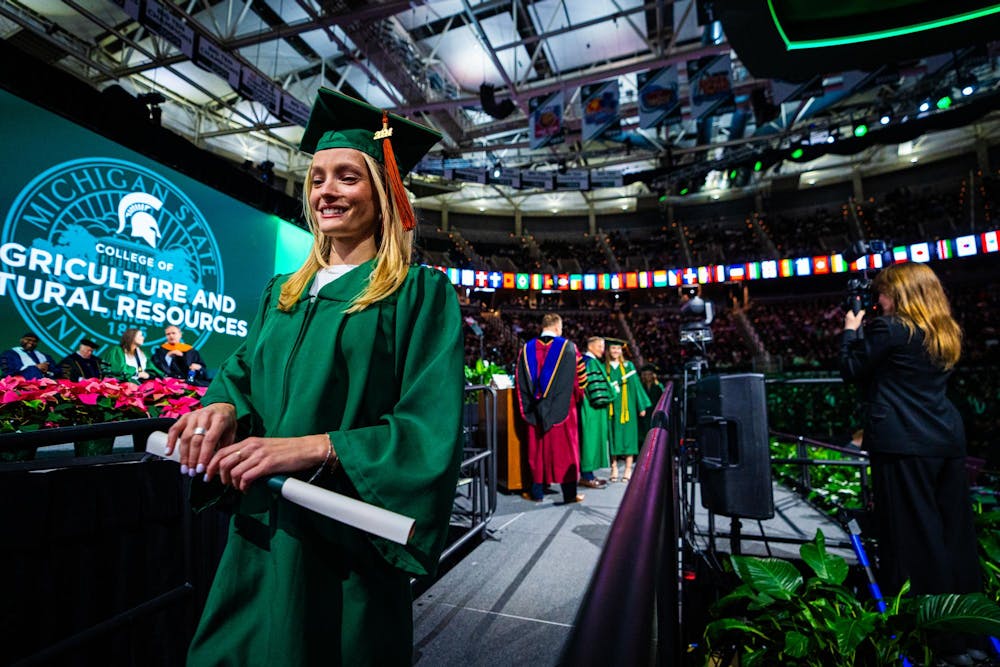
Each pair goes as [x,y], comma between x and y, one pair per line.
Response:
[906,409]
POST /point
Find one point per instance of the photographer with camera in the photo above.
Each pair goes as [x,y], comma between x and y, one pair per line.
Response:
[915,438]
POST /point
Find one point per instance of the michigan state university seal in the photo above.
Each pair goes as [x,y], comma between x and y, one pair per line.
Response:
[94,246]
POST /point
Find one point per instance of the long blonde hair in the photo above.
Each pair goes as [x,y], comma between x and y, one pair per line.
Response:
[920,303]
[392,260]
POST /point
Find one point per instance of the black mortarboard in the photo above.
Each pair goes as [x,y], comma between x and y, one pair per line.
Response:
[650,367]
[29,334]
[615,341]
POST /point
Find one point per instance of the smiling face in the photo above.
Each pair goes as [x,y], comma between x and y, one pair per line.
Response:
[85,351]
[140,338]
[29,343]
[615,352]
[341,196]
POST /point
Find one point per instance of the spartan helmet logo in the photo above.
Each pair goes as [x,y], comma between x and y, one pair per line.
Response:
[136,208]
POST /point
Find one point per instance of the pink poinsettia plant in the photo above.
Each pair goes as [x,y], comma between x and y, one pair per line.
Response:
[27,405]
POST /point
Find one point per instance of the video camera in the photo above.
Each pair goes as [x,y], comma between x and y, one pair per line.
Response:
[694,306]
[860,295]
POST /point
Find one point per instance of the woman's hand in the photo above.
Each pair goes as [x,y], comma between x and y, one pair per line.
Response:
[244,462]
[852,320]
[200,433]
[142,375]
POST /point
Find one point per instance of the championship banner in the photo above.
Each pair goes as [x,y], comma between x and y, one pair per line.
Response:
[659,97]
[258,87]
[545,114]
[294,110]
[546,180]
[606,179]
[711,83]
[215,59]
[599,109]
[574,179]
[169,26]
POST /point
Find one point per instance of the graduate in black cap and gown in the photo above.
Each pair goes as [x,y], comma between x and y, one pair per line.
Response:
[350,378]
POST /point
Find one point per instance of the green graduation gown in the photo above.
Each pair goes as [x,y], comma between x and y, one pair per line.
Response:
[594,417]
[625,423]
[295,588]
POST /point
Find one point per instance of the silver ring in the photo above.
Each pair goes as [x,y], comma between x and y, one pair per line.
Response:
[198,430]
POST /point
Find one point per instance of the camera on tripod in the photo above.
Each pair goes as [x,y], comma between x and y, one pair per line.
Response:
[860,295]
[695,331]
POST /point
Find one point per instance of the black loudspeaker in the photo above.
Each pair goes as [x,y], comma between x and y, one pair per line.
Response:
[487,96]
[731,413]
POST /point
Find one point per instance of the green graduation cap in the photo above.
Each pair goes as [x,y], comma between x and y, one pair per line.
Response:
[615,341]
[341,121]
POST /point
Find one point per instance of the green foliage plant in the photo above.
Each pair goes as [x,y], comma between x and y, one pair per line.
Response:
[775,616]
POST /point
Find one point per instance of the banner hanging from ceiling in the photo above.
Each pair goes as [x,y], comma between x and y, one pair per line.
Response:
[710,80]
[599,109]
[659,98]
[546,120]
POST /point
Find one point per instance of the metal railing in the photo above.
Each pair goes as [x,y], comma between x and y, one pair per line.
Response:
[476,494]
[629,614]
[859,460]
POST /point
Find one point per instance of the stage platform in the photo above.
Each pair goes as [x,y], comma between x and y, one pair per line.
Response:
[513,599]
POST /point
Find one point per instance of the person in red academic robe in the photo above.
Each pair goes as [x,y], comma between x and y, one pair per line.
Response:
[549,386]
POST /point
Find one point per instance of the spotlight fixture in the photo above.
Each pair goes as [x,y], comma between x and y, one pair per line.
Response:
[944,102]
[860,130]
[797,153]
[967,83]
[496,170]
[885,119]
[758,165]
[925,106]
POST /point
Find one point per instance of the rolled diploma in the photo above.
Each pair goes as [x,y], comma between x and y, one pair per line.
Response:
[617,383]
[369,518]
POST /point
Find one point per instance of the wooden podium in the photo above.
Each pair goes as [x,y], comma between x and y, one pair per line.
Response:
[512,461]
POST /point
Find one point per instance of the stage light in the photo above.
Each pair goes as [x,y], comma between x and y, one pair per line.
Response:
[830,139]
[884,120]
[968,83]
[732,175]
[684,191]
[758,165]
[944,102]
[860,130]
[496,170]
[925,106]
[797,153]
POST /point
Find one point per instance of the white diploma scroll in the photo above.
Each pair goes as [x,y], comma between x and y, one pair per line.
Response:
[369,518]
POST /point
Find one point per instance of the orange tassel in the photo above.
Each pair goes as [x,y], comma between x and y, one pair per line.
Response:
[401,201]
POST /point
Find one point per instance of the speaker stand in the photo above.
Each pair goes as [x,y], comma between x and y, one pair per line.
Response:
[734,537]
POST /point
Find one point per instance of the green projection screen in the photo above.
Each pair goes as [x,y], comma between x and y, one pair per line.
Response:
[96,238]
